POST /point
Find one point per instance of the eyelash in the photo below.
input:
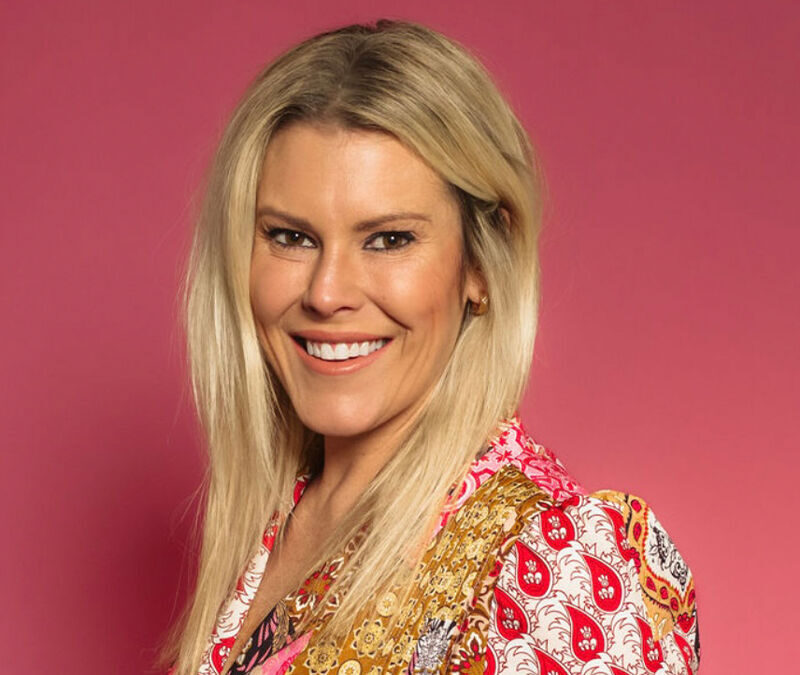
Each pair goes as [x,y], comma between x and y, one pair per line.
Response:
[273,232]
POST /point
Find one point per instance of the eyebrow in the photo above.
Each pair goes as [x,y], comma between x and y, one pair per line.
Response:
[360,226]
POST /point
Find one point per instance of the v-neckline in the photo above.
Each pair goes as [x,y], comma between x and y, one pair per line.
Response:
[509,444]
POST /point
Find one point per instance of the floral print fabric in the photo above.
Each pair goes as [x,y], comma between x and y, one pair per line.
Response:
[525,573]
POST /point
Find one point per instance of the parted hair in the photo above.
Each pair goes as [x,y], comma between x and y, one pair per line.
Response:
[427,91]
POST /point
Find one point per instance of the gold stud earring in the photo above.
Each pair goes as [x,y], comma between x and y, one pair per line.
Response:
[479,308]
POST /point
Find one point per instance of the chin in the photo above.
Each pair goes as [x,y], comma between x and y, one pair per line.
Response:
[339,421]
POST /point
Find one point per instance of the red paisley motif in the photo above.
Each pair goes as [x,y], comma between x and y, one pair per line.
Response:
[588,639]
[491,661]
[533,573]
[686,652]
[606,584]
[511,620]
[220,652]
[557,528]
[626,550]
[269,534]
[651,649]
[686,621]
[548,665]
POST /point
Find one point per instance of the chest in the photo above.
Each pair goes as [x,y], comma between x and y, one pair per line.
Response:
[438,623]
[284,573]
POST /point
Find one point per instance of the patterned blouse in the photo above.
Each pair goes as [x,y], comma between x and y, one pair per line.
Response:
[525,573]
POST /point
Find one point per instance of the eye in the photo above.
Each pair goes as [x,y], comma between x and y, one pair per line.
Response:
[287,238]
[389,241]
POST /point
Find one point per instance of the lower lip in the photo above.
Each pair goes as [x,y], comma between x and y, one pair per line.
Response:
[338,367]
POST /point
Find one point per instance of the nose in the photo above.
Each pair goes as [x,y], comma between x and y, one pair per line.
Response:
[333,284]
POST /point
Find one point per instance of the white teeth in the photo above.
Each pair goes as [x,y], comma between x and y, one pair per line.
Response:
[341,351]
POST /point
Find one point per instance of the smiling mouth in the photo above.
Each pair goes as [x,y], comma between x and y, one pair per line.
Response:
[340,351]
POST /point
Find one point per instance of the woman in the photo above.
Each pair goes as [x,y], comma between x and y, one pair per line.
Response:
[361,304]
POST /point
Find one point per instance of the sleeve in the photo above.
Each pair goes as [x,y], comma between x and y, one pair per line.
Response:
[594,585]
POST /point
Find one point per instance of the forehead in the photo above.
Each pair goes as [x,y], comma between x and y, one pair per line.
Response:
[330,167]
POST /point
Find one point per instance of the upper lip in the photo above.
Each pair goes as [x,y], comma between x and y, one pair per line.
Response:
[324,336]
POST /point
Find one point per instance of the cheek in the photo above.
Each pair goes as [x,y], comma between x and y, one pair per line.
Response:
[270,294]
[423,294]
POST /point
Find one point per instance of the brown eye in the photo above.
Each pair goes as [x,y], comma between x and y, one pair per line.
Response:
[288,238]
[388,241]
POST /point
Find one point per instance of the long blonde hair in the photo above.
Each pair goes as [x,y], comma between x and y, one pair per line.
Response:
[431,94]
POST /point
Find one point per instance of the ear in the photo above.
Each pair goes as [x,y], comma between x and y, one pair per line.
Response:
[475,285]
[505,215]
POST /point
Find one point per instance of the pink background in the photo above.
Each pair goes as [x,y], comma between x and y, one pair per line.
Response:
[667,362]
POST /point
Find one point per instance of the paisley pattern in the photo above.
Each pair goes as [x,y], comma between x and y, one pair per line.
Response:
[525,573]
[621,598]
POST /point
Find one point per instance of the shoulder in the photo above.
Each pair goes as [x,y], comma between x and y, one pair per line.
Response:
[513,446]
[594,579]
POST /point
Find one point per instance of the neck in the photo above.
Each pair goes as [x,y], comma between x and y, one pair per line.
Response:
[350,465]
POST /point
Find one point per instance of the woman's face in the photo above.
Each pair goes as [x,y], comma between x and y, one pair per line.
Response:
[356,259]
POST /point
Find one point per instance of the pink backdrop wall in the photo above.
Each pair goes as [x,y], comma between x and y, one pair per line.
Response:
[667,362]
